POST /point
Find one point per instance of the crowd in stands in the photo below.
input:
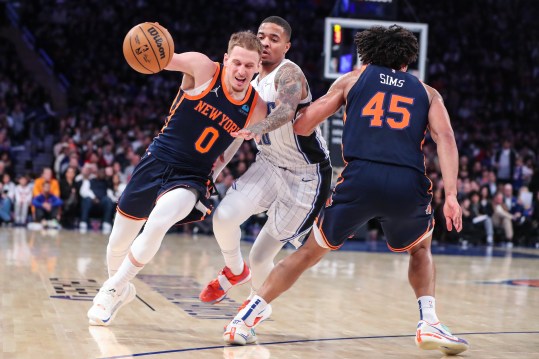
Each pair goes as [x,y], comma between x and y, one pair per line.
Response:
[485,63]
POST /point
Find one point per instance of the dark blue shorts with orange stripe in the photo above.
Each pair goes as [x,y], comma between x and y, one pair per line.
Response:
[400,197]
[150,180]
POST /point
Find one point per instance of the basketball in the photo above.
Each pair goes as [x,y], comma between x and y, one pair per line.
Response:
[148,47]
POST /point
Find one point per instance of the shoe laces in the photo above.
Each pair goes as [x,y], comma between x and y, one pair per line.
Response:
[106,297]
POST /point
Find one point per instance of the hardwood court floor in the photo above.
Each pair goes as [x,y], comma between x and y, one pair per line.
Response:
[354,304]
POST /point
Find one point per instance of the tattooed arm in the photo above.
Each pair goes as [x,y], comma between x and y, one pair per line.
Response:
[290,84]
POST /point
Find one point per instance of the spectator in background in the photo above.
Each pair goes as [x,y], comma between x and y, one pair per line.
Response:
[522,174]
[9,186]
[502,218]
[23,199]
[481,219]
[116,188]
[93,194]
[504,162]
[5,206]
[69,193]
[46,176]
[47,207]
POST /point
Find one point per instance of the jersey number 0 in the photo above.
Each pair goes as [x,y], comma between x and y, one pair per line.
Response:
[206,139]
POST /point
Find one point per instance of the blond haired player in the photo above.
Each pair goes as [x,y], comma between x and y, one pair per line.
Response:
[176,171]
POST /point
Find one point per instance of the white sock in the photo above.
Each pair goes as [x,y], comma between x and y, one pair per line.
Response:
[123,276]
[234,260]
[427,309]
[251,310]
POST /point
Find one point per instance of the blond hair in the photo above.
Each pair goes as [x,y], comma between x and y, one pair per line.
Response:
[246,39]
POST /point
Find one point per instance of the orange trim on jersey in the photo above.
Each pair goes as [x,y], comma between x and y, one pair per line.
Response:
[253,107]
[230,98]
[421,237]
[129,216]
[172,105]
[209,88]
[330,246]
[170,115]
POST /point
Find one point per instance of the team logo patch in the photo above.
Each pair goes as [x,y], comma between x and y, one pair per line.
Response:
[244,109]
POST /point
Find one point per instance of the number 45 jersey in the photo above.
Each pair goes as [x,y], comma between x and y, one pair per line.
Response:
[386,118]
[198,127]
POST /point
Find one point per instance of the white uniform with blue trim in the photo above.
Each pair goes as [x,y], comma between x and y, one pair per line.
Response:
[291,176]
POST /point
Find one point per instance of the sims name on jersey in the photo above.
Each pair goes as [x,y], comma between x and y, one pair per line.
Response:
[388,80]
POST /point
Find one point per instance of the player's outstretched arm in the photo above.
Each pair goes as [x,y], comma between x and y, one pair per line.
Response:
[325,106]
[289,82]
[442,133]
[195,64]
[259,114]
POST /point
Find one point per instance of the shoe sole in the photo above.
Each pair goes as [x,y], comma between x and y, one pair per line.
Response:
[130,297]
[238,339]
[220,299]
[429,341]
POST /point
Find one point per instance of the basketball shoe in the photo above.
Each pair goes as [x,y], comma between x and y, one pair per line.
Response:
[216,290]
[437,336]
[239,333]
[107,303]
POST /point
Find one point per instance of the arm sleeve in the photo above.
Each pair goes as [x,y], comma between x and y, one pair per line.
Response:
[223,160]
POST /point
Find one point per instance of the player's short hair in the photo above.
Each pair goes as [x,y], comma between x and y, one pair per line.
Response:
[277,20]
[246,39]
[392,47]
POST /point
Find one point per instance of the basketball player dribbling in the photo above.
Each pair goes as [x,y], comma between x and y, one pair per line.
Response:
[175,172]
[388,112]
[290,179]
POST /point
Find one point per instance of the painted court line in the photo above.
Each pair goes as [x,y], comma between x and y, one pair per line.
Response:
[303,341]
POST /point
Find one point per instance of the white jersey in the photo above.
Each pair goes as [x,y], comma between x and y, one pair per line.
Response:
[282,147]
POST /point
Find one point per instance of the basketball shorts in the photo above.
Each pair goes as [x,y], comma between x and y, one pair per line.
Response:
[292,196]
[153,178]
[399,197]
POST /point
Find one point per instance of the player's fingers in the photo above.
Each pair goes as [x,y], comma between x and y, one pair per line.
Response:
[457,221]
[449,223]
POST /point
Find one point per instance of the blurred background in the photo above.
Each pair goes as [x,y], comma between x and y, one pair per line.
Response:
[74,116]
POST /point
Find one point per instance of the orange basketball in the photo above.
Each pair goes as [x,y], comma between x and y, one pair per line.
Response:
[148,48]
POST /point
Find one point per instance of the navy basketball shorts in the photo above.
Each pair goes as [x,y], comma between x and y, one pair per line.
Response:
[399,197]
[150,180]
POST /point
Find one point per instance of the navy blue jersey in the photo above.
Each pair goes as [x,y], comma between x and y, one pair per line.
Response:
[198,128]
[386,118]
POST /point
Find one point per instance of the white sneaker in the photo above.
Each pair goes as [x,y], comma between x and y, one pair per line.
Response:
[437,336]
[107,228]
[238,333]
[83,227]
[107,303]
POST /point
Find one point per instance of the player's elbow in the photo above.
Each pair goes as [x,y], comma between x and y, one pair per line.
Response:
[302,129]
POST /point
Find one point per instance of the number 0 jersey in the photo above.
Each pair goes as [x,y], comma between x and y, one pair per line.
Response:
[386,118]
[198,127]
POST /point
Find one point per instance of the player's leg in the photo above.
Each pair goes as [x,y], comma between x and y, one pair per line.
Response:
[261,258]
[231,212]
[124,232]
[117,290]
[240,330]
[252,193]
[430,332]
[408,226]
[290,217]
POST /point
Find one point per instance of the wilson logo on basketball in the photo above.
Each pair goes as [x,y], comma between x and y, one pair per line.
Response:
[158,41]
